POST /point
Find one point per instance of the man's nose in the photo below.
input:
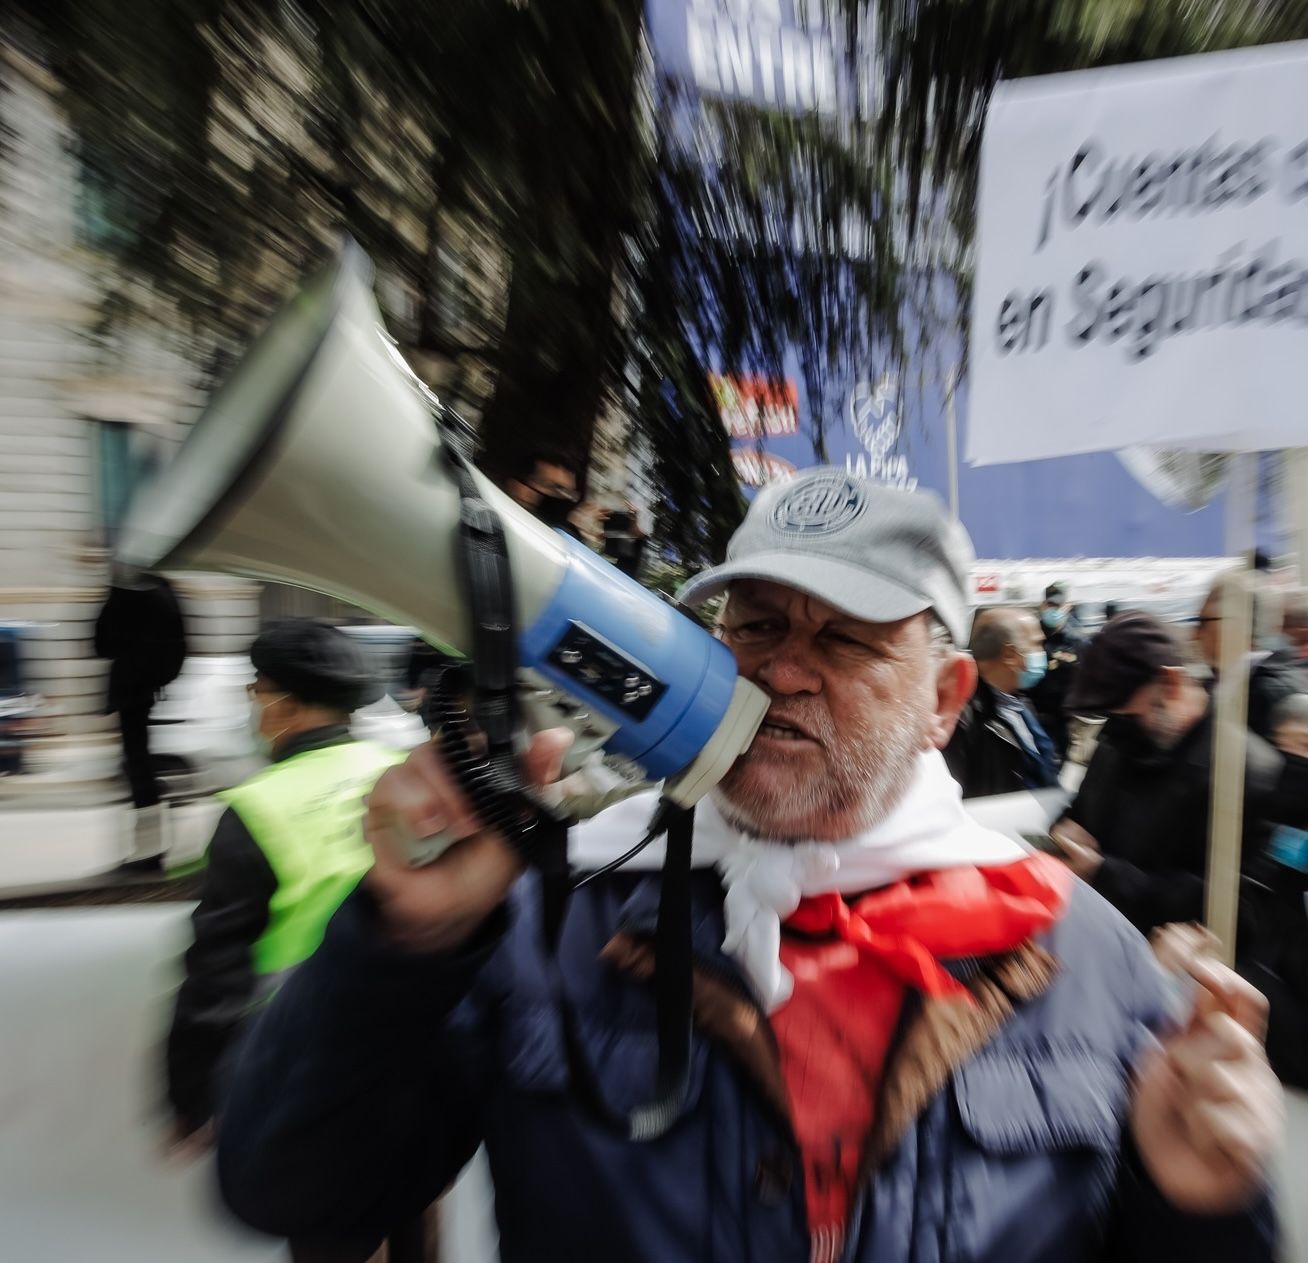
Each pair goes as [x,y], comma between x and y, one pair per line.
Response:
[789,670]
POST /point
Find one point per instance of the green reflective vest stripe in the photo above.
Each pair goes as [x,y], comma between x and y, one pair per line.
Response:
[305,815]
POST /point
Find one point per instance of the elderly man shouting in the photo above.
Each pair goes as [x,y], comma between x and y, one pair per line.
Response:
[914,1042]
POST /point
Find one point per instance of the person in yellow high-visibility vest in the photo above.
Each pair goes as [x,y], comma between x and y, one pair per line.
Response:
[285,853]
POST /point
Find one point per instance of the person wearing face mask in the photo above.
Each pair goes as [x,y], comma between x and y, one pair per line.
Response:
[1138,828]
[283,856]
[1064,648]
[545,484]
[1000,746]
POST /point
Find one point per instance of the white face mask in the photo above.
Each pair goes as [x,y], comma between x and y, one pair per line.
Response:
[263,744]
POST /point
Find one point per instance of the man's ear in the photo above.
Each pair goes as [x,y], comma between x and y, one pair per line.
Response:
[1173,681]
[955,684]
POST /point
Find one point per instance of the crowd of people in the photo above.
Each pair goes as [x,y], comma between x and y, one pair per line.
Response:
[913,1037]
[1137,829]
[912,1034]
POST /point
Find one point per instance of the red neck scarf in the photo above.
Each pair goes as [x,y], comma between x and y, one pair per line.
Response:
[852,964]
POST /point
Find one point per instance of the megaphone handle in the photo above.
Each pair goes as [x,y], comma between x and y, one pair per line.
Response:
[489,778]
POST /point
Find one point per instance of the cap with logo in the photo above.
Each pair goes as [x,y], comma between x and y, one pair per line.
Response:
[876,552]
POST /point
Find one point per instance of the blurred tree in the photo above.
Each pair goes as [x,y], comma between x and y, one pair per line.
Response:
[557,231]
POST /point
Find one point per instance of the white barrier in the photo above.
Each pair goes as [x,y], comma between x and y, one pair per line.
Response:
[50,846]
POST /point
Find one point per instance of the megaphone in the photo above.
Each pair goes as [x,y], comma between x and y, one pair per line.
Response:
[318,464]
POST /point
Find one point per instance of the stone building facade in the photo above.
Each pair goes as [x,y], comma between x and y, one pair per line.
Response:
[79,418]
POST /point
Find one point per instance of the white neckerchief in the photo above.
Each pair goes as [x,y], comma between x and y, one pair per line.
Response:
[927,829]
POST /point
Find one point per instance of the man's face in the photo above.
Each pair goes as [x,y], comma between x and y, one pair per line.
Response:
[1005,673]
[1053,614]
[1027,639]
[275,711]
[1155,709]
[550,482]
[852,706]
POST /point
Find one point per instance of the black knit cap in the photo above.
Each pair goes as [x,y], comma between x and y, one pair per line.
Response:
[1128,653]
[315,663]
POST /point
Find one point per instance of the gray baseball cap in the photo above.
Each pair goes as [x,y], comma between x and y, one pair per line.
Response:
[877,552]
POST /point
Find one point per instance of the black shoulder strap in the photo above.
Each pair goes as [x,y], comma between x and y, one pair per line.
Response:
[672,998]
[493,785]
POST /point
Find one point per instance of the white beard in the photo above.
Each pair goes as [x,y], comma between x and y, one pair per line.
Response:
[853,794]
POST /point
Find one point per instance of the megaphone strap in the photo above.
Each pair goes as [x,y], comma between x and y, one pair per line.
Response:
[483,558]
[491,780]
[673,982]
[492,783]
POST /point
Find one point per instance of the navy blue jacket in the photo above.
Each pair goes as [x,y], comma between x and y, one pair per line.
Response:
[373,1075]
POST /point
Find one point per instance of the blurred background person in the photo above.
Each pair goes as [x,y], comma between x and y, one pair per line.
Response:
[1274,671]
[141,631]
[421,670]
[545,483]
[284,854]
[1063,647]
[624,541]
[1290,726]
[1281,963]
[1000,746]
[1294,627]
[1138,829]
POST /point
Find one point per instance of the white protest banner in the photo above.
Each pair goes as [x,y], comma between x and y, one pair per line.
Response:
[1142,260]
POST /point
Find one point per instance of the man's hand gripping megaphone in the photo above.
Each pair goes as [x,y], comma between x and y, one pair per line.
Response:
[437,906]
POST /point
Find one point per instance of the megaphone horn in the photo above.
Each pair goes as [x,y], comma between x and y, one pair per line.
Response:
[318,464]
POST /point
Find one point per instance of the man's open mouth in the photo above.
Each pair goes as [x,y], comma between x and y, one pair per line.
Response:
[783,730]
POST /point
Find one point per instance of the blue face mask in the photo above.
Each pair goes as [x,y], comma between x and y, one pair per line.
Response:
[1037,664]
[1053,620]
